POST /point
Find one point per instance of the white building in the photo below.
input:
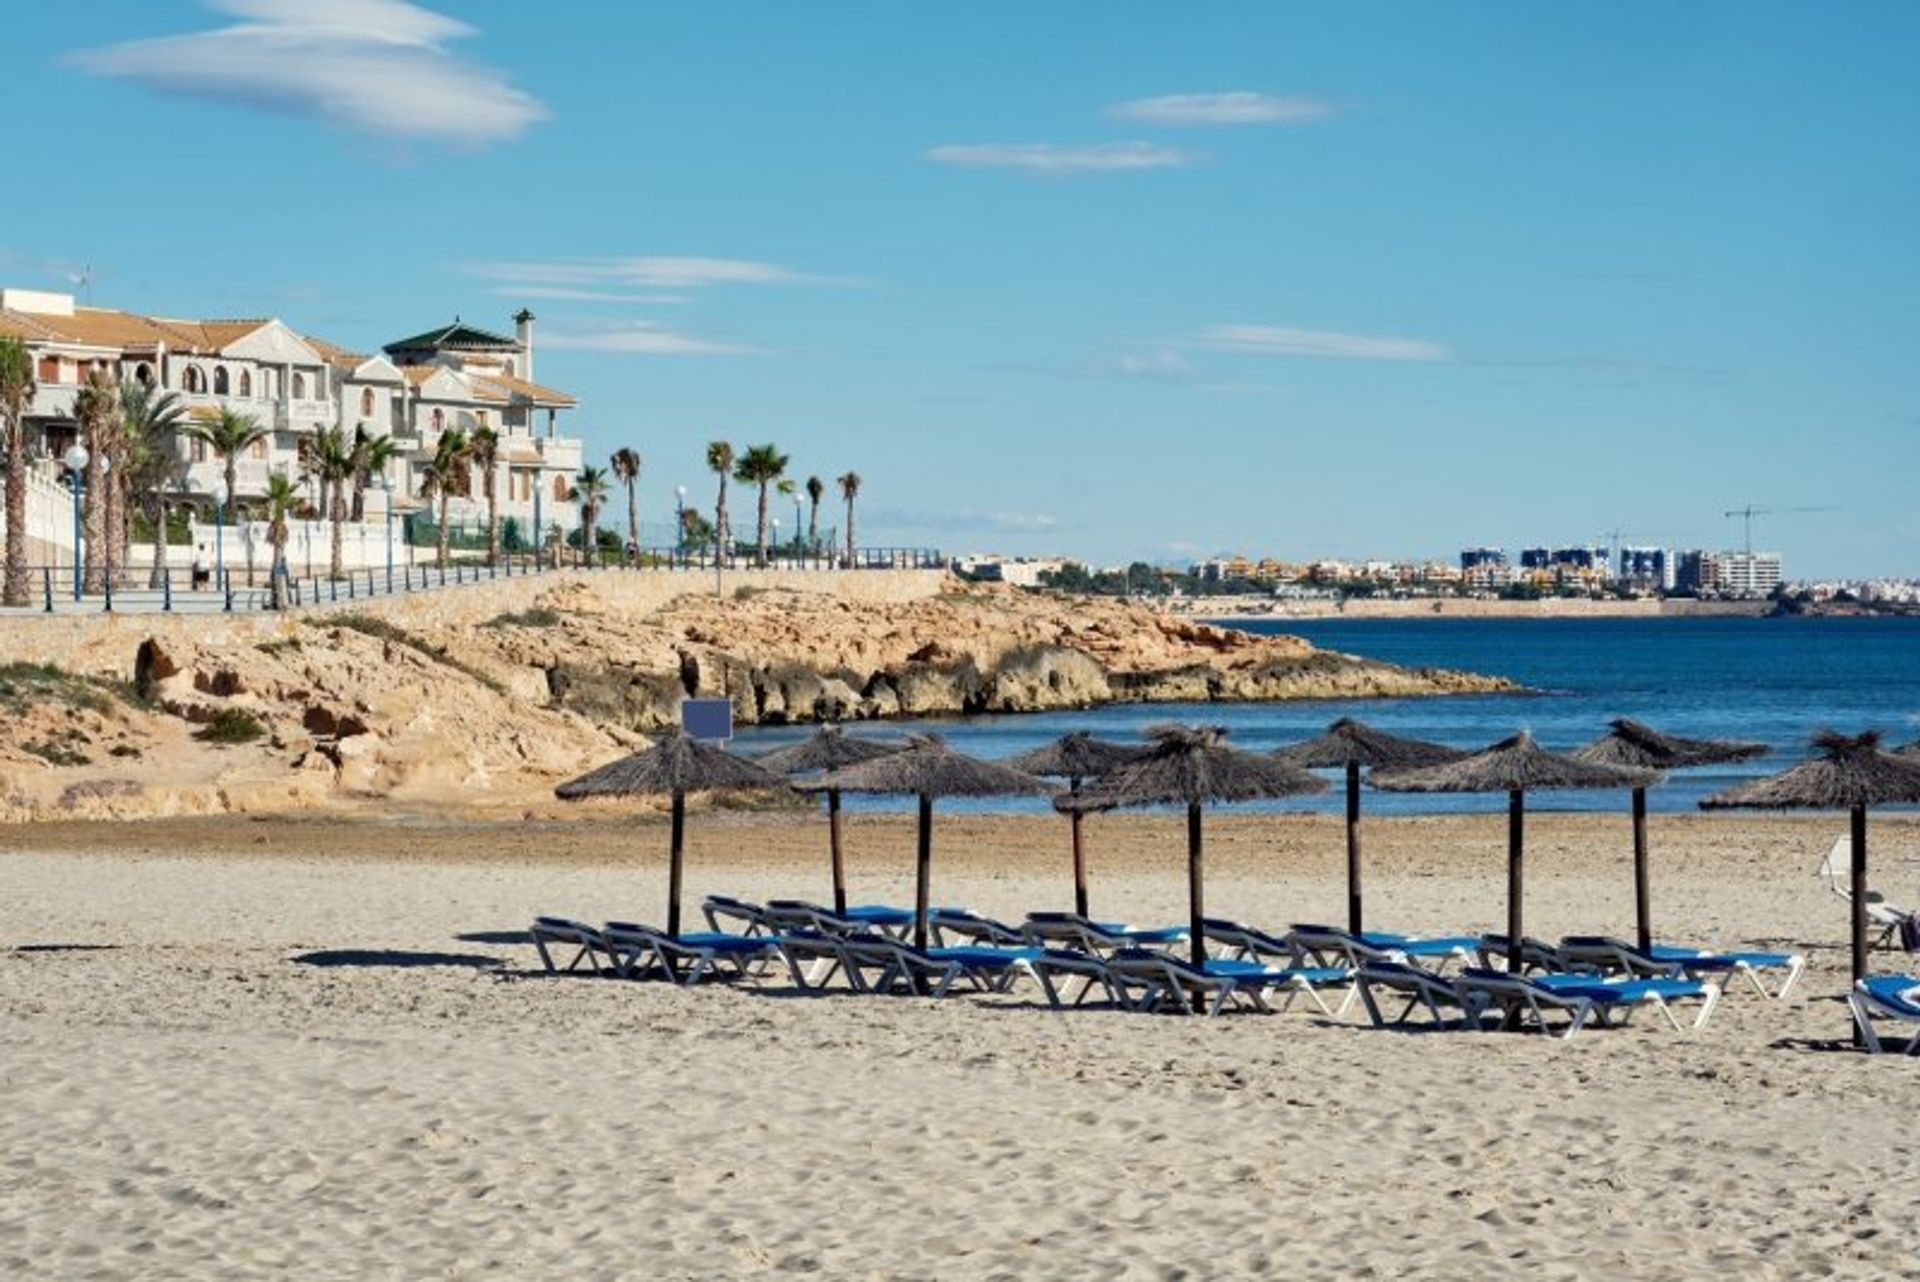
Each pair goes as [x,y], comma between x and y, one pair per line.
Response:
[457,376]
[1747,574]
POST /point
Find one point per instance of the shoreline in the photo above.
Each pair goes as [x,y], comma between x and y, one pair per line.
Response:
[1468,609]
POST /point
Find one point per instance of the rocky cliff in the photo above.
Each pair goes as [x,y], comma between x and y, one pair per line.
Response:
[436,710]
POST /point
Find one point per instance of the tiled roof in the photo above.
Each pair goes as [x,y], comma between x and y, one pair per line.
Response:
[99,327]
[511,388]
[456,337]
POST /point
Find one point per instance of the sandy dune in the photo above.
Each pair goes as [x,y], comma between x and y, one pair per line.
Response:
[233,1049]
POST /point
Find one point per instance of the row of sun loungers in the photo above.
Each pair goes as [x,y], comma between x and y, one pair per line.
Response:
[1460,980]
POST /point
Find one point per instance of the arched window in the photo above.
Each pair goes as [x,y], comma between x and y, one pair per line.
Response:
[560,488]
[246,382]
[220,385]
[299,387]
[143,374]
[439,419]
[193,381]
[366,402]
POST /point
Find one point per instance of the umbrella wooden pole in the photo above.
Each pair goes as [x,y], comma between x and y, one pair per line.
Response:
[1353,847]
[1642,896]
[676,856]
[1074,820]
[1516,843]
[923,871]
[1196,886]
[839,864]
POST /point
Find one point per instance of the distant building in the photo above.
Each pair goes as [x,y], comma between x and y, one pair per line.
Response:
[1749,574]
[1696,570]
[1019,571]
[1474,558]
[1536,558]
[1651,569]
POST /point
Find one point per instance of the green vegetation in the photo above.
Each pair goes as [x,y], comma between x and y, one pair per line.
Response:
[535,618]
[233,725]
[285,645]
[373,626]
[23,684]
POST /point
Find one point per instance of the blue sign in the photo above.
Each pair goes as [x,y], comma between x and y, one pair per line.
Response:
[709,720]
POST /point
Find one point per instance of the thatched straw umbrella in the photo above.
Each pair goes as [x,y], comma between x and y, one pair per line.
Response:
[1516,767]
[1349,745]
[1846,773]
[827,748]
[1629,743]
[1077,757]
[927,768]
[675,765]
[1193,766]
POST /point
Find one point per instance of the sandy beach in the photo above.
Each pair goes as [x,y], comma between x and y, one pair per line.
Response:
[317,1049]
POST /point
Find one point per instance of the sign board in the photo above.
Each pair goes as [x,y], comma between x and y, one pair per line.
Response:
[708,720]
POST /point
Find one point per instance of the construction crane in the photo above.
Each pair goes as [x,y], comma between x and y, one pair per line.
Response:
[1747,513]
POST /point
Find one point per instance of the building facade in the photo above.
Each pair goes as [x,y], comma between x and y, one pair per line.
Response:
[294,385]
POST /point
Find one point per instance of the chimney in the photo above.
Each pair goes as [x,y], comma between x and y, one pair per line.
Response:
[523,332]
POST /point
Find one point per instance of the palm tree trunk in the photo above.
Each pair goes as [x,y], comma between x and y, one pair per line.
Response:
[277,575]
[442,532]
[339,513]
[721,535]
[849,531]
[589,537]
[157,512]
[17,589]
[813,524]
[761,534]
[93,518]
[493,521]
[633,520]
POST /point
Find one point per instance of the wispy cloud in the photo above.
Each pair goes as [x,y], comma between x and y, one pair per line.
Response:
[641,338]
[380,66]
[657,271]
[565,294]
[1275,340]
[1159,363]
[1055,158]
[961,521]
[1238,108]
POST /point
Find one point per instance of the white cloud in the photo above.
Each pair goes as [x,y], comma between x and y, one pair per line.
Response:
[1158,363]
[641,338]
[1052,158]
[379,66]
[1274,340]
[660,271]
[565,294]
[1239,108]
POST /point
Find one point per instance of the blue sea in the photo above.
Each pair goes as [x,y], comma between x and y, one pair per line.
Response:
[1773,681]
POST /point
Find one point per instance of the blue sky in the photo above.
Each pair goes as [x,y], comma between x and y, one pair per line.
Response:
[1127,280]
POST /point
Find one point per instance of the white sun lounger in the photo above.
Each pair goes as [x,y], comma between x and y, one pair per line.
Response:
[1837,872]
[590,944]
[688,958]
[1888,997]
[1176,983]
[1332,946]
[1425,993]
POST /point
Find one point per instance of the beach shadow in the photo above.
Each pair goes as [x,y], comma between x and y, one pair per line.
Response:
[64,948]
[1831,1045]
[494,937]
[394,958]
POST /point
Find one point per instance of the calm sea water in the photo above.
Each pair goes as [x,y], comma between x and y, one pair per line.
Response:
[1775,681]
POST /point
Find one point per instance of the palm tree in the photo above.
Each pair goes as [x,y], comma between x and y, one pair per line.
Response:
[444,476]
[333,460]
[761,465]
[484,448]
[626,466]
[816,490]
[283,495]
[787,489]
[96,408]
[376,453]
[152,465]
[850,490]
[16,389]
[720,460]
[229,434]
[589,491]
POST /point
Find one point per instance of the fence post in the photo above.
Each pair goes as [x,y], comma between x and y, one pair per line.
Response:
[106,588]
[166,591]
[226,589]
[46,581]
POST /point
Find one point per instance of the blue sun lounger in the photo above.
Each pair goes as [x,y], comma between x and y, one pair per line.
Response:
[1890,997]
[590,945]
[1536,955]
[1526,1000]
[752,917]
[690,957]
[1330,946]
[1089,936]
[883,965]
[1618,957]
[1245,943]
[974,927]
[1167,982]
[860,919]
[1425,992]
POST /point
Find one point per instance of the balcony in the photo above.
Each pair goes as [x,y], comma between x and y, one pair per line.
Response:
[304,416]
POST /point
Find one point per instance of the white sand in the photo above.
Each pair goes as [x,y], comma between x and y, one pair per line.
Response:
[199,1099]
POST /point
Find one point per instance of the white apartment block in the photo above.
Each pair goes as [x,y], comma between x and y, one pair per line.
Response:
[1747,574]
[455,376]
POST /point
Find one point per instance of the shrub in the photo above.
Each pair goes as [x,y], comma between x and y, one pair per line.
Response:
[232,725]
[535,618]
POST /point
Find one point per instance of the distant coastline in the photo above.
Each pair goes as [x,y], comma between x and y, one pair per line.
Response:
[1219,610]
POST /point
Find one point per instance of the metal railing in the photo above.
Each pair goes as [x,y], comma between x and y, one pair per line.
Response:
[232,589]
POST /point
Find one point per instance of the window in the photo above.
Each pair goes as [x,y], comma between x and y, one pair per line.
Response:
[560,488]
[220,384]
[366,402]
[483,418]
[49,369]
[299,387]
[258,450]
[143,374]
[199,450]
[439,419]
[246,382]
[193,380]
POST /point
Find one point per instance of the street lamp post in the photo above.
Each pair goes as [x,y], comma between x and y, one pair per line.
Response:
[220,497]
[76,459]
[386,489]
[773,544]
[539,530]
[680,518]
